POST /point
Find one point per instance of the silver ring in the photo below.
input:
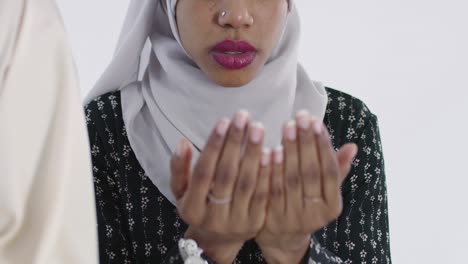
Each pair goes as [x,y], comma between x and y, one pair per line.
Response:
[223,14]
[219,201]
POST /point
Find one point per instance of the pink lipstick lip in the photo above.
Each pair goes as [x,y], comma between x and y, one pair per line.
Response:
[234,55]
[233,46]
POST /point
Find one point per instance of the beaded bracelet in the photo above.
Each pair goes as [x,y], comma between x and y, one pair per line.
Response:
[190,252]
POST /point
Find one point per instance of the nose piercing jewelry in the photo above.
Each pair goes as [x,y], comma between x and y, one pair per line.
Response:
[223,14]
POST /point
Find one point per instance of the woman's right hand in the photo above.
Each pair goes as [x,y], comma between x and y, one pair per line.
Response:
[224,198]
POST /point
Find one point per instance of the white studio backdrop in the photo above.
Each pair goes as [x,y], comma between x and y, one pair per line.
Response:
[408,60]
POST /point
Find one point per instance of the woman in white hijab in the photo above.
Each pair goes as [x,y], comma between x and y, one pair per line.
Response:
[182,67]
[47,211]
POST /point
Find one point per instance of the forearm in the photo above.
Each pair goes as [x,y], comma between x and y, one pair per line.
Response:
[291,252]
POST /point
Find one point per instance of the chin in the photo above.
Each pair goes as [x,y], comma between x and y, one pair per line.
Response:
[230,80]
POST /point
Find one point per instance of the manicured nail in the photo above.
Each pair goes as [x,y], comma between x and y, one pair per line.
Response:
[222,127]
[266,157]
[279,155]
[291,131]
[241,119]
[256,133]
[181,148]
[318,126]
[303,119]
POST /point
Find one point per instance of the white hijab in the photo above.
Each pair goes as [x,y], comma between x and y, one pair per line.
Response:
[166,97]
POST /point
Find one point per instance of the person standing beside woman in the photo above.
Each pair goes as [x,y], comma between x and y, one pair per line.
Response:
[47,207]
[296,177]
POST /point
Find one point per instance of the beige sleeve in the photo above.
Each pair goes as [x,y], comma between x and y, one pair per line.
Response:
[47,210]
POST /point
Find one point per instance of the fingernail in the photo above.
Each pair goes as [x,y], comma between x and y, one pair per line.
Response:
[279,155]
[180,150]
[291,131]
[241,119]
[318,126]
[303,119]
[222,127]
[266,157]
[256,133]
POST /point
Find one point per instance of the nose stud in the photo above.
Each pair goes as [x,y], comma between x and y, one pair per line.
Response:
[250,21]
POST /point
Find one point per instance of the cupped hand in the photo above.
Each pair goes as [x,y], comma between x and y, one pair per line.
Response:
[305,188]
[224,198]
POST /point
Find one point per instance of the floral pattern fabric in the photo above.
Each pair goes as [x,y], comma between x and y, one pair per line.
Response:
[137,224]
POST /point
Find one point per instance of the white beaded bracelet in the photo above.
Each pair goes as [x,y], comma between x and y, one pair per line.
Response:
[190,252]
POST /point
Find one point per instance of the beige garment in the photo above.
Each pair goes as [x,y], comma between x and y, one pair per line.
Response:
[47,211]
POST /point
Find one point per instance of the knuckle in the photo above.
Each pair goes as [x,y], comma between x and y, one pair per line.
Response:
[293,181]
[260,196]
[201,171]
[277,192]
[244,185]
[223,177]
[311,171]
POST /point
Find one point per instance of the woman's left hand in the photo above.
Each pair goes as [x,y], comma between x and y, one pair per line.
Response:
[305,189]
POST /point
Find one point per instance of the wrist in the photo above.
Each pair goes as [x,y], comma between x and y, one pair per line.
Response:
[291,252]
[220,251]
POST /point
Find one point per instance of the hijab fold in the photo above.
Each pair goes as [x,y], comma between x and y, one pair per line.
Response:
[166,96]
